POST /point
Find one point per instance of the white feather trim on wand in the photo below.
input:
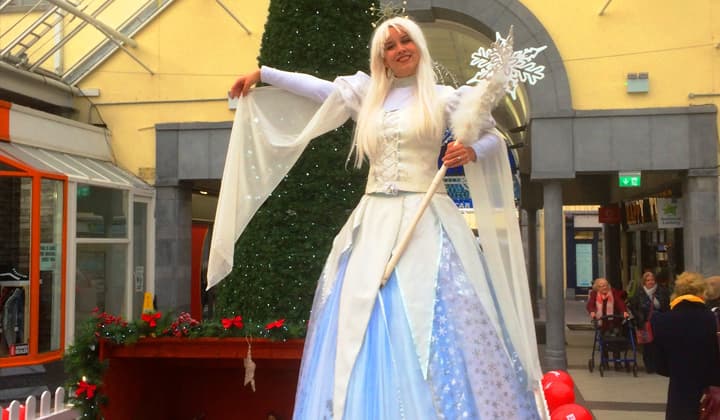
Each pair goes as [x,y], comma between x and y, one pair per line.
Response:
[473,115]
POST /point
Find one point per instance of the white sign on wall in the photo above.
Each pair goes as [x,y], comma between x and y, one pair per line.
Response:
[583,265]
[669,213]
[48,256]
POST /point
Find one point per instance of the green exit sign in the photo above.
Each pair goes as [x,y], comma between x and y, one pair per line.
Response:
[629,179]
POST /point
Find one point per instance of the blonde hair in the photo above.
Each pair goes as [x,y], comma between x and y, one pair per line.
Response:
[426,118]
[646,275]
[689,283]
[712,290]
[596,286]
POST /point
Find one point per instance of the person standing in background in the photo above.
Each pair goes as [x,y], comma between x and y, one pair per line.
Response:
[686,347]
[712,293]
[650,299]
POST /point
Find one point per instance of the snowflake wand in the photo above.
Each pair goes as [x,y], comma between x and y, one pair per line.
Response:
[472,119]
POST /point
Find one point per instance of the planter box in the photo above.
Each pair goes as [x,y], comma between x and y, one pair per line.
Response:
[181,378]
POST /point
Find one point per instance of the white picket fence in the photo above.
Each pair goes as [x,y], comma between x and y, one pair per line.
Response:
[46,411]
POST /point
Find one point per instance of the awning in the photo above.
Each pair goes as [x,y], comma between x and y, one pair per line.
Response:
[54,144]
[76,168]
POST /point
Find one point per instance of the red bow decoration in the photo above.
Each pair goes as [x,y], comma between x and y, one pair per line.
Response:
[85,388]
[151,319]
[275,324]
[229,322]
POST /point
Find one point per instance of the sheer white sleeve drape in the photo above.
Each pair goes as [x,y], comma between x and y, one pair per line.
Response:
[271,129]
[490,184]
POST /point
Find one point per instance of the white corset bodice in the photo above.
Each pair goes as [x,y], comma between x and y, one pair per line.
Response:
[402,163]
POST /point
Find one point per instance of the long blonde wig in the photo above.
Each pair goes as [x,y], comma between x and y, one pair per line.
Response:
[426,117]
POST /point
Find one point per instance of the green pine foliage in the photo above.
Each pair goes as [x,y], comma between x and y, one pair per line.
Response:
[280,256]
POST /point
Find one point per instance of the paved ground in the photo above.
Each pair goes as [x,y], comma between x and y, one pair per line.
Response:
[617,395]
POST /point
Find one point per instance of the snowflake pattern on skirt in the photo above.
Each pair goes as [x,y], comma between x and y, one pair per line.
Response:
[472,372]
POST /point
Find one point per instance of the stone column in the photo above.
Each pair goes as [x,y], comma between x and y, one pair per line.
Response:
[173,224]
[173,231]
[531,257]
[555,355]
[700,221]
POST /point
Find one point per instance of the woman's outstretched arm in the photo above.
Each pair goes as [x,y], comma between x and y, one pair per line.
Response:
[300,84]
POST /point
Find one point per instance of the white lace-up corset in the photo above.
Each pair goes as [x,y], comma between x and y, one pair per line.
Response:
[402,163]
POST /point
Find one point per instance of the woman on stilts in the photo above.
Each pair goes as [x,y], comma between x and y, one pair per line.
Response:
[449,334]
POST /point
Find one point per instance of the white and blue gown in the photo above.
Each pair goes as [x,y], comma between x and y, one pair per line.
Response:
[437,341]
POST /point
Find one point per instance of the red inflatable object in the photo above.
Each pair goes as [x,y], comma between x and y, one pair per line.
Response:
[558,375]
[571,412]
[557,394]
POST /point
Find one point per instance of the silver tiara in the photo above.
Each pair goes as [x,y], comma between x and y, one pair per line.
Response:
[388,10]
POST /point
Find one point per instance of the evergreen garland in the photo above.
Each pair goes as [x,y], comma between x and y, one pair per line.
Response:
[280,256]
[85,370]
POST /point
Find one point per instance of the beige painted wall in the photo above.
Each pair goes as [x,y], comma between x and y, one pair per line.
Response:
[676,43]
[196,50]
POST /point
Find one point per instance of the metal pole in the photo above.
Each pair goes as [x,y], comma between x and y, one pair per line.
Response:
[604,7]
[233,16]
[137,60]
[17,22]
[66,38]
[107,30]
[5,3]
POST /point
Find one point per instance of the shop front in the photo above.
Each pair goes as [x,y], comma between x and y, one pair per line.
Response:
[653,236]
[76,231]
[31,261]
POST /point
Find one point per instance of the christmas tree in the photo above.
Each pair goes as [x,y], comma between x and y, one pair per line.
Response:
[280,256]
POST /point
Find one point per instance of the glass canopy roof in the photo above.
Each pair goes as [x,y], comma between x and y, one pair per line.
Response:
[76,168]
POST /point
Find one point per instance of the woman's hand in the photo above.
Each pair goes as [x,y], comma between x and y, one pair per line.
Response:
[242,85]
[592,315]
[457,155]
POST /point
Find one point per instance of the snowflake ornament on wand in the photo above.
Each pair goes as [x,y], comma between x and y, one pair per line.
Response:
[521,65]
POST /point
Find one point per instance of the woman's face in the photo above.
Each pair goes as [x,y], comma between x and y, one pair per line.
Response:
[401,55]
[603,286]
[649,281]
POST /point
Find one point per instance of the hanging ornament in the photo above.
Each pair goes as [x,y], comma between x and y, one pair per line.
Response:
[249,367]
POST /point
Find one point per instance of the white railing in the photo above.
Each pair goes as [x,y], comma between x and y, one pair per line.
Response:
[46,411]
